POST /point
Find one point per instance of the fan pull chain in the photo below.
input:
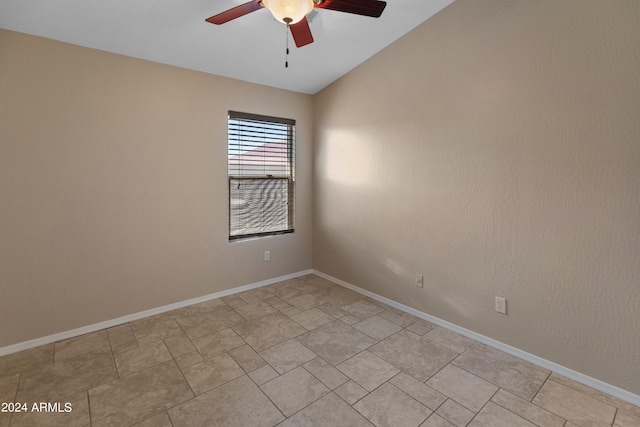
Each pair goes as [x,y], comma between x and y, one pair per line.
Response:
[286,57]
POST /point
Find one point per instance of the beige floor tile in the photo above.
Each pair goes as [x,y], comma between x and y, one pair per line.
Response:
[436,420]
[493,415]
[284,290]
[334,312]
[282,306]
[304,302]
[396,318]
[419,327]
[268,331]
[9,387]
[282,286]
[255,295]
[318,282]
[424,394]
[95,341]
[263,375]
[377,327]
[573,405]
[212,373]
[351,392]
[76,414]
[447,338]
[527,410]
[198,322]
[26,360]
[330,410]
[67,377]
[362,309]
[122,338]
[626,420]
[324,289]
[160,420]
[378,303]
[154,329]
[368,370]
[189,359]
[291,288]
[596,394]
[335,342]
[218,343]
[294,390]
[312,318]
[465,388]
[247,358]
[455,413]
[387,406]
[137,397]
[326,373]
[142,357]
[254,310]
[394,310]
[179,345]
[226,406]
[321,281]
[415,355]
[515,375]
[202,307]
[350,320]
[287,356]
[233,301]
[338,296]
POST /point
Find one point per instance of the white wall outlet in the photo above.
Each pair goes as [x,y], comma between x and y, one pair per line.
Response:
[267,255]
[501,305]
[419,281]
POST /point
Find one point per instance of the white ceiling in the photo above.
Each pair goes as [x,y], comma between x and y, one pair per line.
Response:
[250,48]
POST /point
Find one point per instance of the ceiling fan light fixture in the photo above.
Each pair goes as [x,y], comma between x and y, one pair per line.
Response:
[289,11]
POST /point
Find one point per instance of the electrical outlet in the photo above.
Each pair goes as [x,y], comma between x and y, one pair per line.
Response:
[419,281]
[501,305]
[267,255]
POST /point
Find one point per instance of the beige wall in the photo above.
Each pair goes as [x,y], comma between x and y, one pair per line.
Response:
[113,187]
[495,149]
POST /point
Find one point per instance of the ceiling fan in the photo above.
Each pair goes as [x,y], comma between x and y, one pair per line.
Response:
[293,13]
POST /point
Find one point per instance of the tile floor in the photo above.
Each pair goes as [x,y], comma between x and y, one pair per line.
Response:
[303,352]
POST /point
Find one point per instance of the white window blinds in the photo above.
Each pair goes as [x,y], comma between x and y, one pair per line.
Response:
[261,175]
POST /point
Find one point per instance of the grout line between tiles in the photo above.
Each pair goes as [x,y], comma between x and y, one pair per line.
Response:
[541,387]
[266,396]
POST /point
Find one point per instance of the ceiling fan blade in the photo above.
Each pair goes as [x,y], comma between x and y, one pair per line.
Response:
[301,33]
[372,8]
[235,12]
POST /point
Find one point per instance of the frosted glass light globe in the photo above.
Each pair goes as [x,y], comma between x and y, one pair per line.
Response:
[289,11]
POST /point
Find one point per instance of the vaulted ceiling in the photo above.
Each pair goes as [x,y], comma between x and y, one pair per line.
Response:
[250,48]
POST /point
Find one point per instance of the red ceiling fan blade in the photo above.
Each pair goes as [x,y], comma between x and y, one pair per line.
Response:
[235,12]
[301,33]
[372,8]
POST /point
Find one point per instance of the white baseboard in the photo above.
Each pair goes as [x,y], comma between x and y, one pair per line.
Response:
[136,316]
[622,394]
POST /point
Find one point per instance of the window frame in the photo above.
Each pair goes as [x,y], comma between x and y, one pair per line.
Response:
[233,142]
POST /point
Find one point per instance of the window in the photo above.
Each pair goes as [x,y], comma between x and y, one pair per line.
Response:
[261,175]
